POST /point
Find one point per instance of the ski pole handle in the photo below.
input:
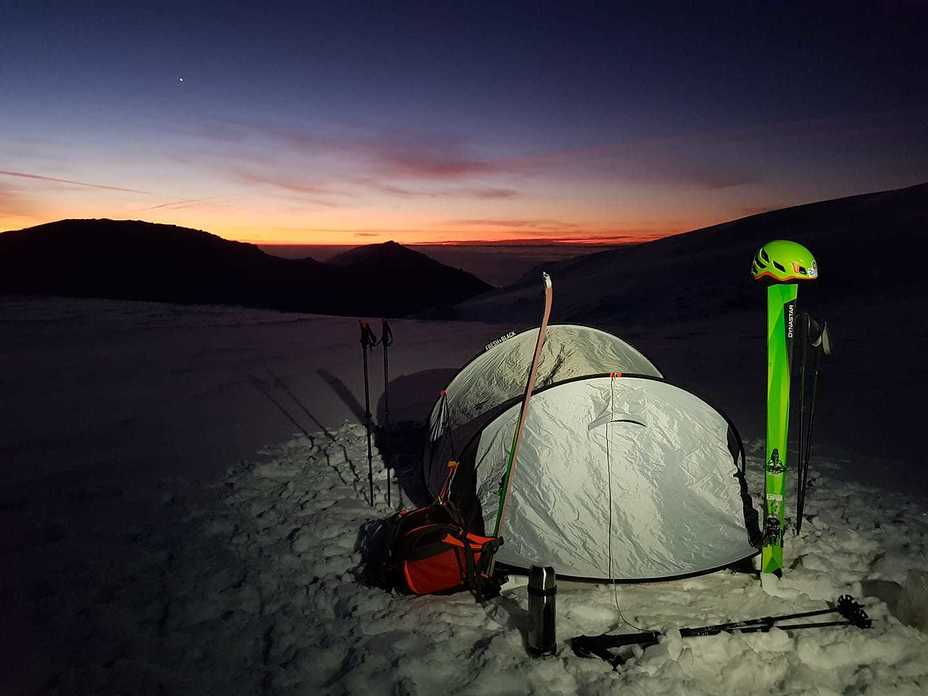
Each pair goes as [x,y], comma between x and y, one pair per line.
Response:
[368,337]
[386,334]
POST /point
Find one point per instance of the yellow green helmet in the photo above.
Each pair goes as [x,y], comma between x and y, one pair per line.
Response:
[782,261]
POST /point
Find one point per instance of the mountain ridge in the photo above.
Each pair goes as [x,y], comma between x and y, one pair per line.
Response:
[872,240]
[134,259]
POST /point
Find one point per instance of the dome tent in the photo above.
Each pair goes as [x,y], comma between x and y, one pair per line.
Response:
[611,452]
[495,376]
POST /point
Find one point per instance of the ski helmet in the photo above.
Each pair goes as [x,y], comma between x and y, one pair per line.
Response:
[782,261]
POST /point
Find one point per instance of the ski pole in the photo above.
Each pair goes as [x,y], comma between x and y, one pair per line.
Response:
[368,341]
[805,329]
[846,605]
[822,345]
[600,646]
[807,453]
[386,338]
[803,469]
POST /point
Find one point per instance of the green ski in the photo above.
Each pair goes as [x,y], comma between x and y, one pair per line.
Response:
[780,263]
[781,320]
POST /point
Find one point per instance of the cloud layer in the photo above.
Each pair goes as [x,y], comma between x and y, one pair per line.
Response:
[70,182]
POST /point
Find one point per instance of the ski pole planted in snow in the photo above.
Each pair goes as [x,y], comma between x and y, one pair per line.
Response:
[368,341]
[386,338]
[815,342]
[779,263]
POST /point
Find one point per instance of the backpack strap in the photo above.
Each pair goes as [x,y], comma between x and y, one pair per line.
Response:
[445,491]
[486,586]
[477,578]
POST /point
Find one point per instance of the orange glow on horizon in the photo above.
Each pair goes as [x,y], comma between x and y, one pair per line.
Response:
[606,237]
[508,241]
[575,214]
[240,225]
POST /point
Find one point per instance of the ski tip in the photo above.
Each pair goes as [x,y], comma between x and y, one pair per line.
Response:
[546,279]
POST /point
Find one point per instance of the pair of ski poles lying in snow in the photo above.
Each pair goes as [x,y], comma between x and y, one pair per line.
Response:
[601,646]
[369,341]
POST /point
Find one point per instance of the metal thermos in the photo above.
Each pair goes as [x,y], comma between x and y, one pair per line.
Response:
[542,609]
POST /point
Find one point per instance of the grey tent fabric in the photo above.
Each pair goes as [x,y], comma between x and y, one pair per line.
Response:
[622,467]
[676,504]
[498,375]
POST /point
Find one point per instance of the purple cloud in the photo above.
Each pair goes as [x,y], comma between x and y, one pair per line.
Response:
[72,182]
[177,205]
[515,223]
[401,154]
[293,184]
[570,236]
[425,156]
[376,160]
[486,192]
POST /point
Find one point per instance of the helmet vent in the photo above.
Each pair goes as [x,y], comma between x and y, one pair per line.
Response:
[783,261]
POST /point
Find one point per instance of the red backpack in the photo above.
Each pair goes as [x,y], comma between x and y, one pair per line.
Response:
[431,552]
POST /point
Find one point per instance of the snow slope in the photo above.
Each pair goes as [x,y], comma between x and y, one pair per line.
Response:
[134,560]
[256,591]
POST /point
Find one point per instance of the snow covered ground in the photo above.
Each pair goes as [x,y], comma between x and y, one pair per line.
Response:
[256,591]
[150,549]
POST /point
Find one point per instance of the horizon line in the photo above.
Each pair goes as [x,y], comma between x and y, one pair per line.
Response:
[528,241]
[593,241]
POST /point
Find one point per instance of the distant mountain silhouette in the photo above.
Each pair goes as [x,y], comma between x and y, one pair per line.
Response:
[407,272]
[870,246]
[390,254]
[129,259]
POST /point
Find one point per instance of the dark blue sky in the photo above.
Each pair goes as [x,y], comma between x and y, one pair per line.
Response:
[341,121]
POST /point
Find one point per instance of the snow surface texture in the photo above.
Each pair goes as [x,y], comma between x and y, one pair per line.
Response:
[256,591]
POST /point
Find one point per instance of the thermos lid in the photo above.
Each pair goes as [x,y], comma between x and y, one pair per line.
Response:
[542,580]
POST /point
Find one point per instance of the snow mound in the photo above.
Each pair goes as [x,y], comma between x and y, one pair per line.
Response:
[257,591]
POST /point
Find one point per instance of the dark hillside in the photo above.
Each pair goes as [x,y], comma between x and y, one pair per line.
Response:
[870,246]
[403,273]
[127,259]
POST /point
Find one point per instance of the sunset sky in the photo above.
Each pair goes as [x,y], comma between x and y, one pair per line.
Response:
[343,122]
